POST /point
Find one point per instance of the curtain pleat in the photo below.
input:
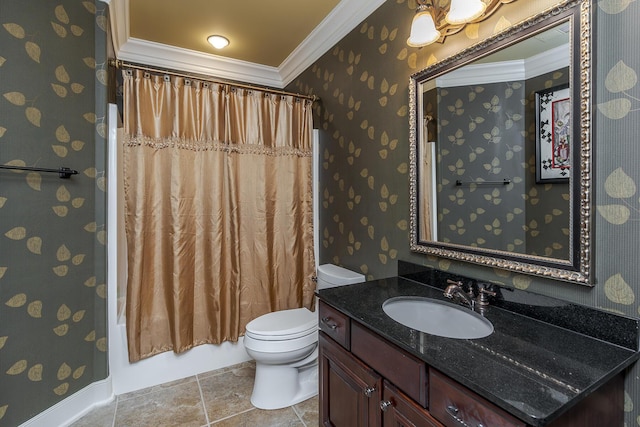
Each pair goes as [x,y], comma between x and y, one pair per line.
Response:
[218,210]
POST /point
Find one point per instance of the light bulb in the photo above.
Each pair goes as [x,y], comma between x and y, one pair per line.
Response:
[219,42]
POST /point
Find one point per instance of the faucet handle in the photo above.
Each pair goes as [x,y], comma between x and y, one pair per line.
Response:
[453,282]
[484,292]
[486,288]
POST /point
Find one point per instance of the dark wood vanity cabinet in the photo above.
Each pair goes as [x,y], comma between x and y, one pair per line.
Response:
[351,391]
[367,381]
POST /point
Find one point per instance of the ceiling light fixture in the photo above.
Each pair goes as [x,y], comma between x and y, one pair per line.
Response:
[219,42]
[433,23]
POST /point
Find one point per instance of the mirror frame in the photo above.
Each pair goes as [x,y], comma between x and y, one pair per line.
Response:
[578,268]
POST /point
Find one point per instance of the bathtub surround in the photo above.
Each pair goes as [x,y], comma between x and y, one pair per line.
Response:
[217,187]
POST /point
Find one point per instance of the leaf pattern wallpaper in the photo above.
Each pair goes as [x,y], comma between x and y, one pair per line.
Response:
[488,133]
[472,148]
[52,230]
[364,188]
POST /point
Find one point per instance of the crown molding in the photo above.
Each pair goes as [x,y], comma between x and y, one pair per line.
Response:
[119,19]
[346,16]
[548,61]
[482,74]
[342,20]
[505,71]
[191,61]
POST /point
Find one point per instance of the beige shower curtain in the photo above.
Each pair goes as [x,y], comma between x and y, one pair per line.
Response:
[218,209]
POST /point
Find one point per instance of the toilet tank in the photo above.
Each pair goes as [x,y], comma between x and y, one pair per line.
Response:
[331,276]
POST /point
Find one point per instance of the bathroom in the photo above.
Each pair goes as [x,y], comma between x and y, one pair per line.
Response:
[364,195]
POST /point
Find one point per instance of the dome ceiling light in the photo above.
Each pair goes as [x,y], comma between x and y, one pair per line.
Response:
[218,42]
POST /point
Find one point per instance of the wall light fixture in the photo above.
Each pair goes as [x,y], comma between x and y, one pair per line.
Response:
[434,21]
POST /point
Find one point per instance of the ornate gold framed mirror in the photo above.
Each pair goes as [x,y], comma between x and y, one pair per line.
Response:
[500,149]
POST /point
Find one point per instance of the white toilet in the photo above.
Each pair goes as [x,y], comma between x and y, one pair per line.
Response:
[284,345]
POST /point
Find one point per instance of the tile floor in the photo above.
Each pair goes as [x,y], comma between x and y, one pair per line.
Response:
[218,398]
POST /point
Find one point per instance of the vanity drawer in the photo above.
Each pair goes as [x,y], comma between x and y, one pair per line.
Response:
[335,324]
[407,372]
[454,405]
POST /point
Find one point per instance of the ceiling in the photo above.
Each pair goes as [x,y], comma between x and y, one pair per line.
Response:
[272,42]
[263,32]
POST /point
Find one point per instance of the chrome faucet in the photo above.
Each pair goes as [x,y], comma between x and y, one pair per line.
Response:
[455,292]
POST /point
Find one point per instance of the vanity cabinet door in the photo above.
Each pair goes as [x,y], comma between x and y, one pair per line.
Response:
[350,391]
[401,411]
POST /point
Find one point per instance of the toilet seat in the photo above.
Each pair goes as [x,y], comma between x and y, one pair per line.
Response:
[283,325]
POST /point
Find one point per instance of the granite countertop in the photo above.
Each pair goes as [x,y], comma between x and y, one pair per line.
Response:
[533,369]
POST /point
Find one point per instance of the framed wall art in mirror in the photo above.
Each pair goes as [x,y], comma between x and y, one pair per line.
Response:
[553,134]
[500,149]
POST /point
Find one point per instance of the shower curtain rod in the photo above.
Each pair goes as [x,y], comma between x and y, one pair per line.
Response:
[116,63]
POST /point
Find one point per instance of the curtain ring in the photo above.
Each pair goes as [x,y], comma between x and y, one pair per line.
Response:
[167,78]
[146,75]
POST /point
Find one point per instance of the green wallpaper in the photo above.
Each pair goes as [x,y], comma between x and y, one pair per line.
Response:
[52,231]
[364,217]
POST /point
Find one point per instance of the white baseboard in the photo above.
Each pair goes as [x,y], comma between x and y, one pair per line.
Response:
[75,406]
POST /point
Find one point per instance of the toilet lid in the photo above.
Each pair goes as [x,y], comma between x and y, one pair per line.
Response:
[283,324]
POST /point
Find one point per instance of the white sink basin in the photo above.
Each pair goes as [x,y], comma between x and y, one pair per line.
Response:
[437,317]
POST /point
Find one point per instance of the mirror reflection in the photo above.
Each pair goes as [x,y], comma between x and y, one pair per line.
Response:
[501,149]
[484,129]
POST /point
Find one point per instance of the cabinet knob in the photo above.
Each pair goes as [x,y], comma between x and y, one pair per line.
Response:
[452,410]
[385,404]
[368,391]
[327,321]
